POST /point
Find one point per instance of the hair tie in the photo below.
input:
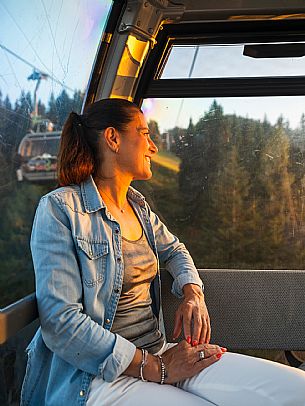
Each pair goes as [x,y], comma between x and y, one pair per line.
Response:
[77,120]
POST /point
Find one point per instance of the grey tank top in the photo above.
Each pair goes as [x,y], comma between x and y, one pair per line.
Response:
[134,318]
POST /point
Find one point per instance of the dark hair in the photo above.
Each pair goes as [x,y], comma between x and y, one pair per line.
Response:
[79,152]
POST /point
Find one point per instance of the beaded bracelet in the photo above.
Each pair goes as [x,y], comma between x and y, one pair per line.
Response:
[143,363]
[163,370]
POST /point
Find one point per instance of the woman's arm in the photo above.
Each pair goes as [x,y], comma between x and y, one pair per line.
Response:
[66,329]
[187,285]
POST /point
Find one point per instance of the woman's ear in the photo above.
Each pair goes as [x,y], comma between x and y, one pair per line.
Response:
[112,138]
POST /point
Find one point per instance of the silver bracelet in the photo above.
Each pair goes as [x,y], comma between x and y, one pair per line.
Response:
[143,363]
[163,370]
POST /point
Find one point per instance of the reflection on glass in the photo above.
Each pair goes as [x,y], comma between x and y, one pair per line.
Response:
[224,61]
[231,186]
[47,50]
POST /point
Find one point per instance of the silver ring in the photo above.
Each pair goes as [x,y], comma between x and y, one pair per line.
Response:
[201,355]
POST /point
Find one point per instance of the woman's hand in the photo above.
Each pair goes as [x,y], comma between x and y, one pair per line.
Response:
[193,315]
[183,361]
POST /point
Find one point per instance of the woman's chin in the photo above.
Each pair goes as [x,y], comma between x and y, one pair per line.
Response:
[145,176]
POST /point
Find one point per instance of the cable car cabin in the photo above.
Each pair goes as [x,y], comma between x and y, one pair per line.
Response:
[38,156]
[222,85]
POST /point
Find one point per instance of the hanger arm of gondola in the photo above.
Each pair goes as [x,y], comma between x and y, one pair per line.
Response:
[45,75]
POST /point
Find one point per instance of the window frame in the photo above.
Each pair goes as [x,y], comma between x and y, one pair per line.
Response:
[151,86]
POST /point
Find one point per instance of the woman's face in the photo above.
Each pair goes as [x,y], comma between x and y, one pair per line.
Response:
[136,149]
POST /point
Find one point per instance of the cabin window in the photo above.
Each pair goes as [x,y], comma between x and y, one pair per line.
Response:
[47,50]
[229,178]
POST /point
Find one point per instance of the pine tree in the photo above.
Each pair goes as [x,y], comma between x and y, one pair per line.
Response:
[64,107]
[229,195]
[77,101]
[52,113]
[202,145]
[41,109]
[155,133]
[279,221]
[189,181]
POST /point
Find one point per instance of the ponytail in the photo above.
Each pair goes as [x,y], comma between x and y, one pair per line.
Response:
[75,159]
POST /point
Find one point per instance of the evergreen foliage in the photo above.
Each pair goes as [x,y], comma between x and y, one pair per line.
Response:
[241,184]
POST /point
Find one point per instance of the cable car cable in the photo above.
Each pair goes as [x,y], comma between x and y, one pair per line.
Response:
[35,68]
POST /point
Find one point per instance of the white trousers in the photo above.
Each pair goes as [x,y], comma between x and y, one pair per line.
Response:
[234,380]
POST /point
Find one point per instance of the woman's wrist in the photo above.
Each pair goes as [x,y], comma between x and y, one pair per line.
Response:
[191,289]
[163,370]
[152,370]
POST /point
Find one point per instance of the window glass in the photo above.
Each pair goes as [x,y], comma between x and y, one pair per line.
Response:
[229,178]
[47,49]
[224,61]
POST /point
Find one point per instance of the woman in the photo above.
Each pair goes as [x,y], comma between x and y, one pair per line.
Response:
[96,248]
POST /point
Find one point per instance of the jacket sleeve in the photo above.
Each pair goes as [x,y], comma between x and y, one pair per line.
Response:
[174,255]
[66,329]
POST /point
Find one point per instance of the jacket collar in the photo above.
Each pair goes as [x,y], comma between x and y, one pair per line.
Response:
[93,200]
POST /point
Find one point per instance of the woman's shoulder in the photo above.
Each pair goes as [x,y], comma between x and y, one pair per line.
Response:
[62,192]
[65,196]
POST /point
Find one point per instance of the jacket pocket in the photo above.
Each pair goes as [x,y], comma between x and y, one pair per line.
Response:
[93,260]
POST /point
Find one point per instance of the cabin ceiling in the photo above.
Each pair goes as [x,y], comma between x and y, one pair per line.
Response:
[206,10]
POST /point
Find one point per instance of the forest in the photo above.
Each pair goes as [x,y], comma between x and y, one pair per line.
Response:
[242,183]
[236,200]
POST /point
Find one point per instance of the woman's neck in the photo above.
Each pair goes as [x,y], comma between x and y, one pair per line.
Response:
[113,189]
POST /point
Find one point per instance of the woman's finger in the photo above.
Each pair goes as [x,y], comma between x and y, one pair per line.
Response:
[212,348]
[197,326]
[205,335]
[208,336]
[177,325]
[204,331]
[187,322]
[207,362]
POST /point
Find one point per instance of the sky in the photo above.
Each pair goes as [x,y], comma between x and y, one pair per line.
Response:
[61,38]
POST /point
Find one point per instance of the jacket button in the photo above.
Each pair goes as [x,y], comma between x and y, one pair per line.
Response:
[82,393]
[107,321]
[119,259]
[116,290]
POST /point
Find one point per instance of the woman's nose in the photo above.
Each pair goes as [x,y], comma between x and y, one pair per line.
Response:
[153,147]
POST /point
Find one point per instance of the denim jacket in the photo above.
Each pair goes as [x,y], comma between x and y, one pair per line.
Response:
[77,254]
